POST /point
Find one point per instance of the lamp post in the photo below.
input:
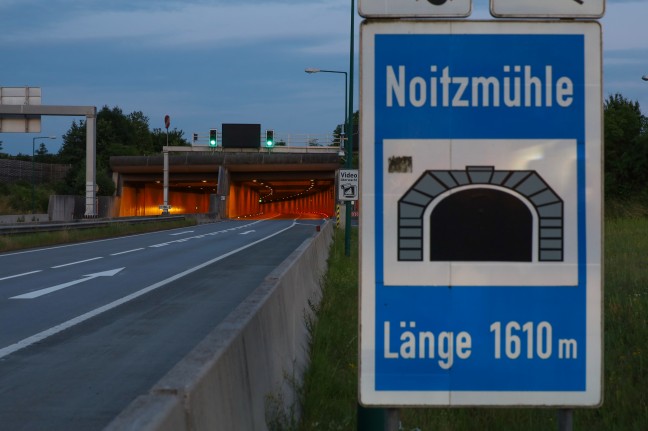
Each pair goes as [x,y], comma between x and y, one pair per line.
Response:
[32,173]
[645,77]
[348,132]
[312,70]
[349,142]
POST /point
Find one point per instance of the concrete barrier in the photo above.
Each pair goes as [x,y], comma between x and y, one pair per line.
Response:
[246,371]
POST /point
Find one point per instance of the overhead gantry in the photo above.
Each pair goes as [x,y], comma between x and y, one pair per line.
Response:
[90,113]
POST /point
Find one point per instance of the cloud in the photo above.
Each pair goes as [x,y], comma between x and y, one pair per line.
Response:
[624,25]
[189,25]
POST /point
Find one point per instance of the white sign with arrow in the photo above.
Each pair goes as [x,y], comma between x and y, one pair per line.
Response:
[548,8]
[88,277]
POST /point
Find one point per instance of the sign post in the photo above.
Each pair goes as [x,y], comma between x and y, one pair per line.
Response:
[481,225]
[165,170]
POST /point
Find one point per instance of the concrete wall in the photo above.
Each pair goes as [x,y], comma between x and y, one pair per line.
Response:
[68,208]
[257,355]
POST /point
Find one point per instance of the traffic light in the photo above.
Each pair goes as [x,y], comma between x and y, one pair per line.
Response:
[213,137]
[195,137]
[270,138]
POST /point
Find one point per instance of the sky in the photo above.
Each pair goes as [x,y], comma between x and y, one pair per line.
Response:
[208,62]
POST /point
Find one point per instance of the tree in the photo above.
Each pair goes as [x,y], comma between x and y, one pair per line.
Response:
[72,150]
[626,147]
[118,134]
[159,139]
[340,128]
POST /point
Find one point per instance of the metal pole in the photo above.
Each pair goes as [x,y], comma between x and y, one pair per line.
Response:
[346,103]
[32,175]
[91,166]
[392,420]
[378,419]
[565,419]
[165,181]
[349,142]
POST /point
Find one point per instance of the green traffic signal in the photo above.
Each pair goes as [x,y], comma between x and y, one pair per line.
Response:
[270,138]
[213,137]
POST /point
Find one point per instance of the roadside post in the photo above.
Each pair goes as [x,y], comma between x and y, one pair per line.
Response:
[481,229]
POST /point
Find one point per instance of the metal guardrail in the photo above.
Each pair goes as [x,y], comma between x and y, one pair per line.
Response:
[23,228]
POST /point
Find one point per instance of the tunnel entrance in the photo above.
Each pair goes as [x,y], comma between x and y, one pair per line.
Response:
[287,182]
[481,225]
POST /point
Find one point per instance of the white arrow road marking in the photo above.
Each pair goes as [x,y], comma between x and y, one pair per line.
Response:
[26,342]
[41,292]
[247,232]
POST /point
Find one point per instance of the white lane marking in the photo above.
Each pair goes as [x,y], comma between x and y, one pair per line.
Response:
[36,250]
[26,342]
[127,251]
[181,233]
[41,292]
[74,263]
[20,275]
[247,232]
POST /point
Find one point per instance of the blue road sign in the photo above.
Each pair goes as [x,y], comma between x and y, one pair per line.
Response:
[481,221]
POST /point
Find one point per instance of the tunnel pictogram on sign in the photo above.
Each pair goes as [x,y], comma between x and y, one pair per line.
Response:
[487,217]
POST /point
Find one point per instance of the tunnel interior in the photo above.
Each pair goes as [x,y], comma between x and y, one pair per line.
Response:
[307,194]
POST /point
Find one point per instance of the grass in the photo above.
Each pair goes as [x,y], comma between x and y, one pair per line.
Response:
[330,384]
[42,239]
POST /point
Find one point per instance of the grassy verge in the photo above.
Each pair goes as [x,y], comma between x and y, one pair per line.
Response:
[20,241]
[330,382]
[330,390]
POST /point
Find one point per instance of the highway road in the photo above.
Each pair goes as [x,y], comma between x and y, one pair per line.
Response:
[86,328]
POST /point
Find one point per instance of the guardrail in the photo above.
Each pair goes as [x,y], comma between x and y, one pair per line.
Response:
[21,228]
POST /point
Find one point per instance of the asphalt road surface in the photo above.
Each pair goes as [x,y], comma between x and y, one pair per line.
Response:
[86,328]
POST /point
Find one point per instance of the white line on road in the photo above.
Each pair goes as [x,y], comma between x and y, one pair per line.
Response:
[46,249]
[127,251]
[41,292]
[247,232]
[181,233]
[20,275]
[5,351]
[74,263]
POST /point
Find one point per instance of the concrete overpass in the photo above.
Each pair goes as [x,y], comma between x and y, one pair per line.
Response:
[229,182]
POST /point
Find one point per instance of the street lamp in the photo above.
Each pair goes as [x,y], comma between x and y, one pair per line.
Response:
[645,77]
[32,175]
[348,133]
[312,70]
[349,142]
